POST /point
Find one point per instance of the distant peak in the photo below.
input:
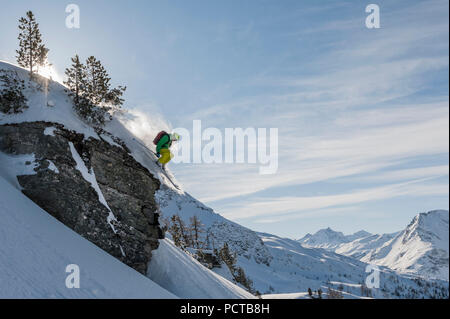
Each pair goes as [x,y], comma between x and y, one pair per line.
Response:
[328,229]
[362,232]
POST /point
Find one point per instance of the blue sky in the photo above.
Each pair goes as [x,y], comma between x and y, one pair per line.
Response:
[362,113]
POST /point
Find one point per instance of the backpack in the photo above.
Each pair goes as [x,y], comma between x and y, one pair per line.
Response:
[159,136]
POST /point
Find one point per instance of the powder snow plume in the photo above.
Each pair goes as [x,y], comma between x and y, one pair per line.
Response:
[142,125]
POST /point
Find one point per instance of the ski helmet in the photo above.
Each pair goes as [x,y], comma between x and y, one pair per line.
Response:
[174,137]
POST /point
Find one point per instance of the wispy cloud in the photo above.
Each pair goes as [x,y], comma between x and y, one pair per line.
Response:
[342,151]
[404,174]
[298,204]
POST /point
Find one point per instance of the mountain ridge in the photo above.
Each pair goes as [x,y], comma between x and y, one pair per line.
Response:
[421,248]
[328,238]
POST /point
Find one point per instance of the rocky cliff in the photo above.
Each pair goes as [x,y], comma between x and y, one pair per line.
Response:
[116,209]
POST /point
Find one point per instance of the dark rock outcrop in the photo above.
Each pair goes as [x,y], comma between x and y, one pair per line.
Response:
[126,185]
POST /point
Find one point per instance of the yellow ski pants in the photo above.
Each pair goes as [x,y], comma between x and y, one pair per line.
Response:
[166,156]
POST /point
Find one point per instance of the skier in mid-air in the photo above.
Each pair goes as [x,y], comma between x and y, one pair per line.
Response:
[163,141]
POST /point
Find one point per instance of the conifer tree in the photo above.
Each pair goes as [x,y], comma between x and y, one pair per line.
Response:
[96,81]
[89,84]
[241,278]
[75,78]
[114,96]
[97,85]
[237,272]
[174,230]
[184,231]
[227,257]
[196,228]
[12,99]
[32,51]
[179,232]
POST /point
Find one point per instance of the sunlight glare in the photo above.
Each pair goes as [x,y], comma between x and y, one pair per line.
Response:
[49,72]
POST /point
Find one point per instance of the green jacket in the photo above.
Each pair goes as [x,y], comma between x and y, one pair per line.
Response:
[164,142]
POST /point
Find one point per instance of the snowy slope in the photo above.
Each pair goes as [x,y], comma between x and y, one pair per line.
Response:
[187,278]
[36,248]
[362,247]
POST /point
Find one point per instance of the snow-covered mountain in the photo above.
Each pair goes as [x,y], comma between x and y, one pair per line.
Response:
[105,186]
[420,249]
[295,269]
[330,239]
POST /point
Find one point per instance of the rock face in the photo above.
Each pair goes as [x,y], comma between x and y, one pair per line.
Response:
[60,188]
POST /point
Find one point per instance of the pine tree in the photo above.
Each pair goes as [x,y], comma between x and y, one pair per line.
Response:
[226,256]
[241,278]
[97,85]
[96,82]
[184,232]
[77,84]
[114,96]
[89,84]
[179,232]
[12,99]
[174,230]
[31,51]
[75,79]
[237,272]
[196,229]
